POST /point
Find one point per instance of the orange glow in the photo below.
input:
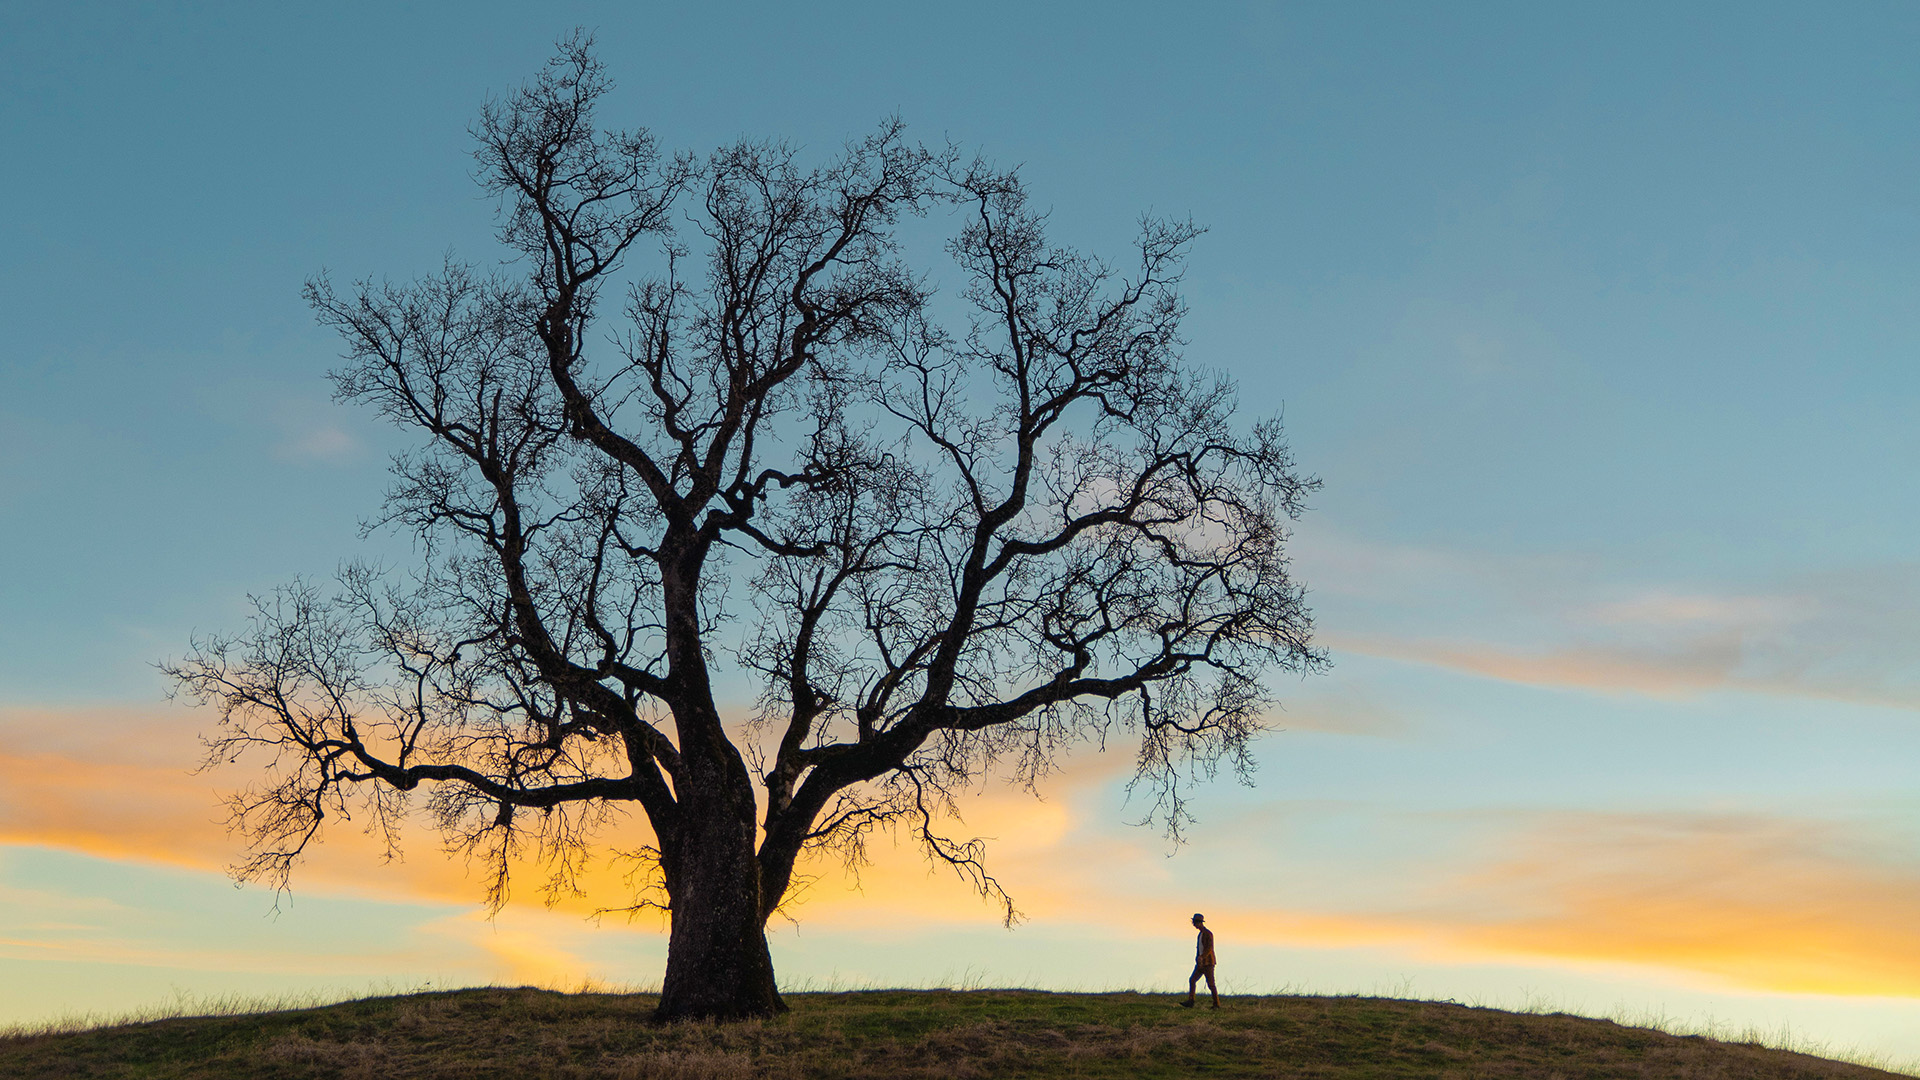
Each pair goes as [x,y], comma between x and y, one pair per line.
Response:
[136,796]
[1761,902]
[1758,902]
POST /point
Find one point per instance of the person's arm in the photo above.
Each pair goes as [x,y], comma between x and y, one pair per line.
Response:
[1206,946]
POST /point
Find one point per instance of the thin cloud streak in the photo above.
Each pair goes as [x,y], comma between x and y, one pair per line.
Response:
[324,444]
[1721,661]
[1704,665]
[1848,636]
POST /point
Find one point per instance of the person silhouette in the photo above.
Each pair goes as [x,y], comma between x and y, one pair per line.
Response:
[1202,964]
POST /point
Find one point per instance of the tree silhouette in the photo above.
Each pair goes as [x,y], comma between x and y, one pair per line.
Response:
[961,549]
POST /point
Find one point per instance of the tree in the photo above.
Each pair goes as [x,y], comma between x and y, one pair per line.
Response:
[962,549]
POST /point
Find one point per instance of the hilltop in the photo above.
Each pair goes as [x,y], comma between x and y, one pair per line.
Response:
[894,1035]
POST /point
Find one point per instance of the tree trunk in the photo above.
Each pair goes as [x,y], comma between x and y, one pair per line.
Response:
[718,966]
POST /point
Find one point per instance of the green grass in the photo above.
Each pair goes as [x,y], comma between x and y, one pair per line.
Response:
[893,1035]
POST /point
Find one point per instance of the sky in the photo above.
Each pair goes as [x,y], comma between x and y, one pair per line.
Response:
[1598,324]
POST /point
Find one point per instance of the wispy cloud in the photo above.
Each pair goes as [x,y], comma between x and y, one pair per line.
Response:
[1338,708]
[1671,608]
[1708,662]
[294,420]
[1842,635]
[321,443]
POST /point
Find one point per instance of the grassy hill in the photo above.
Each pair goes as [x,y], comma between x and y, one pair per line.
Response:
[894,1035]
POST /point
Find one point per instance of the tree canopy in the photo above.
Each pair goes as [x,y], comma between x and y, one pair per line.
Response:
[711,423]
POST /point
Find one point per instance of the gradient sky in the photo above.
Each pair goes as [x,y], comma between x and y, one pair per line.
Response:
[1600,326]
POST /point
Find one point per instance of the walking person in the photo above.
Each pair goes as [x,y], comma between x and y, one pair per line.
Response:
[1202,964]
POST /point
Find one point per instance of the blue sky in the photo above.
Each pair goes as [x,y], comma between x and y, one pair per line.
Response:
[1599,325]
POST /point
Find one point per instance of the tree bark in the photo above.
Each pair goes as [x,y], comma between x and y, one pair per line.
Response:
[718,964]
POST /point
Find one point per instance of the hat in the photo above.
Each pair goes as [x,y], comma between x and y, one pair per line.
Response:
[1197,917]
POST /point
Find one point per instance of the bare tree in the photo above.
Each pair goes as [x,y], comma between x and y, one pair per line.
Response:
[961,549]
